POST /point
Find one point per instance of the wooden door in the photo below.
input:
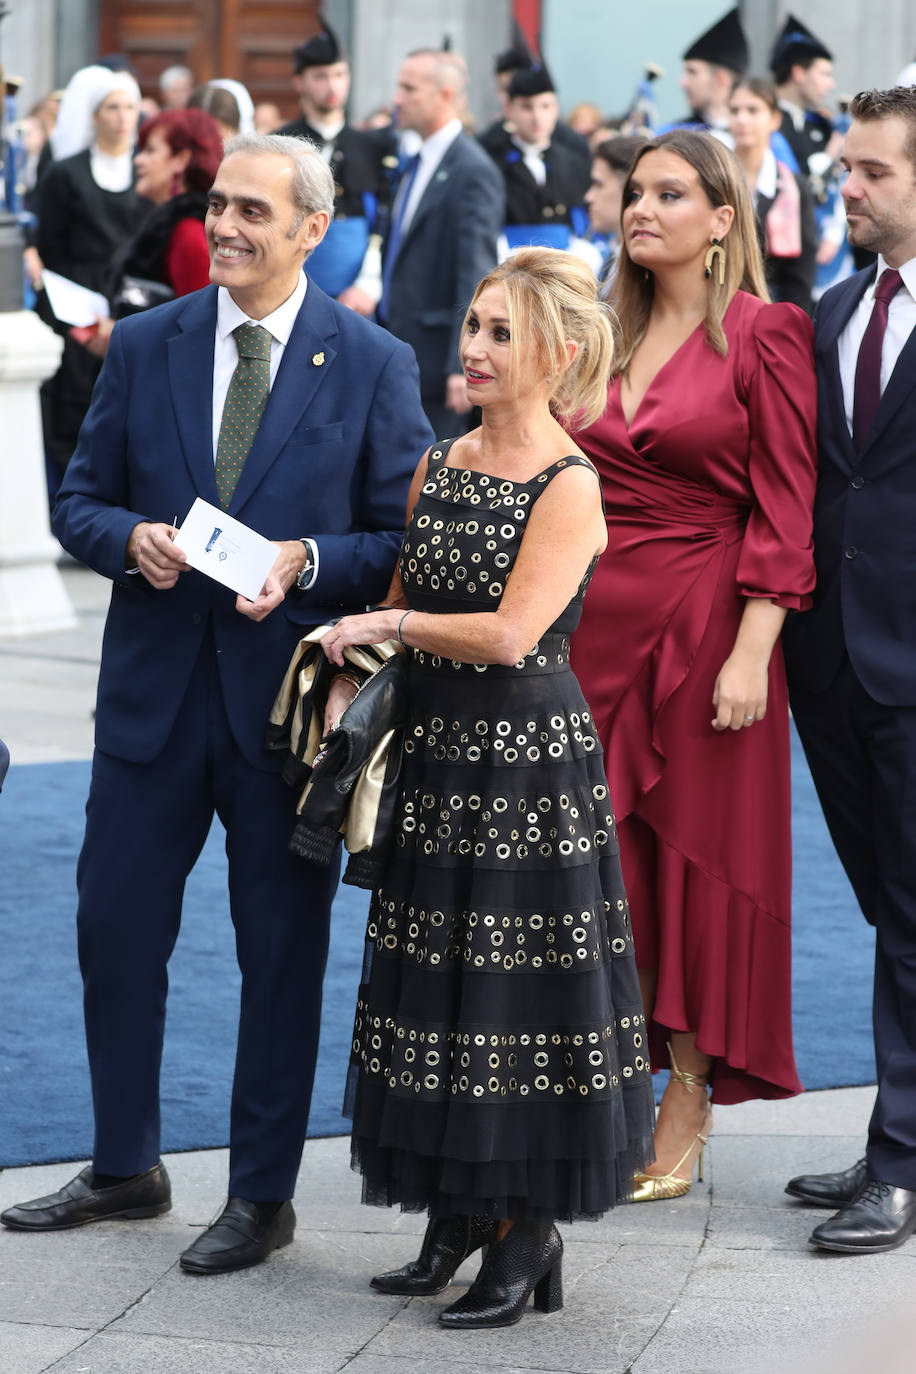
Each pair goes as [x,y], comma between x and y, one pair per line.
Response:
[250,40]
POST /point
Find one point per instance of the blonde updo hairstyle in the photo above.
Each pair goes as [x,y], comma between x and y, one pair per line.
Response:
[552,297]
[723,183]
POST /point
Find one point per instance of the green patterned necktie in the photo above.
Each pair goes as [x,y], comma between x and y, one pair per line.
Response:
[245,402]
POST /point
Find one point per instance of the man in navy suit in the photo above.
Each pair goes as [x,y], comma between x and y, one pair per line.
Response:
[852,658]
[446,217]
[189,673]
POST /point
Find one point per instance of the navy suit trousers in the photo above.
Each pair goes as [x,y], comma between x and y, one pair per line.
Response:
[145,826]
[862,757]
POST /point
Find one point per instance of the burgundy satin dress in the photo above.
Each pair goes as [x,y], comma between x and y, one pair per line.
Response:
[709,496]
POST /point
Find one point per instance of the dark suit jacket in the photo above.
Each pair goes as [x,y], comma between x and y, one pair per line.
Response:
[332,459]
[527,202]
[356,165]
[449,245]
[864,543]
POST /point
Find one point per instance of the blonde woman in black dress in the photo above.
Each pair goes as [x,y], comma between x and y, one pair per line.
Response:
[499,1078]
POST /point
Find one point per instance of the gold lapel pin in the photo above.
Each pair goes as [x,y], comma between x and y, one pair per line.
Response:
[317,359]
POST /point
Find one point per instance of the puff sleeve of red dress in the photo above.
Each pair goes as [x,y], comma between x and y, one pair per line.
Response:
[777,555]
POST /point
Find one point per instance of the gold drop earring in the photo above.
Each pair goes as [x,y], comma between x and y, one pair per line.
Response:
[715,253]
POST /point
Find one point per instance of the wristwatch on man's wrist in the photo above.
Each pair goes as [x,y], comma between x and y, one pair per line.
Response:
[307,573]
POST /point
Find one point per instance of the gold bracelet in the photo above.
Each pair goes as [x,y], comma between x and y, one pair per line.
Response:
[348,677]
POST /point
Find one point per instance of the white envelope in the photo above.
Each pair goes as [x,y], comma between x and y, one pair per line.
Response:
[225,549]
[72,303]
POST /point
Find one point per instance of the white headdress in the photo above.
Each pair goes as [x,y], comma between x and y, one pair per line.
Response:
[85,92]
[242,99]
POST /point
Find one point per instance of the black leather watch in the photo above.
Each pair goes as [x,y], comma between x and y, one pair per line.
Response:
[307,573]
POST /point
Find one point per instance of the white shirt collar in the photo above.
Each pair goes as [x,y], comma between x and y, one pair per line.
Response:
[907,272]
[434,148]
[279,322]
[112,173]
[795,112]
[328,131]
[767,180]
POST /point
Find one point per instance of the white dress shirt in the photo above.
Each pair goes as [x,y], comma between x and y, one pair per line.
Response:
[533,158]
[328,134]
[432,151]
[901,320]
[225,356]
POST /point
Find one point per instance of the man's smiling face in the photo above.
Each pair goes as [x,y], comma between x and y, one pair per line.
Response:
[257,236]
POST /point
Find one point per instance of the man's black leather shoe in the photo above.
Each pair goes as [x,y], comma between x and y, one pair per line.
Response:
[880,1217]
[242,1236]
[828,1190]
[78,1202]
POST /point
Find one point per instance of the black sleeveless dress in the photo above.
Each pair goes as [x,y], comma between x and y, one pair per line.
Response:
[499,1063]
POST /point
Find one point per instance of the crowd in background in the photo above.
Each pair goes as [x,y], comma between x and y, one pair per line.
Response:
[105,217]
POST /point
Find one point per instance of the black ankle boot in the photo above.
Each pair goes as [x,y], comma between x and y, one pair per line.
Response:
[529,1257]
[448,1241]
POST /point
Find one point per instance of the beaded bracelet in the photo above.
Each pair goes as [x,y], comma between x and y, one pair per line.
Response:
[400,623]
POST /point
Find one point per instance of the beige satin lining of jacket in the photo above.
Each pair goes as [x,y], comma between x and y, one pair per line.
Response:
[358,827]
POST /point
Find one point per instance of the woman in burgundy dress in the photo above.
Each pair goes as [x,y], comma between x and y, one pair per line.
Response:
[706,455]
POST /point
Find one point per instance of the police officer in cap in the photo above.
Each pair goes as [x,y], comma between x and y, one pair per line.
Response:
[712,64]
[321,80]
[802,70]
[545,183]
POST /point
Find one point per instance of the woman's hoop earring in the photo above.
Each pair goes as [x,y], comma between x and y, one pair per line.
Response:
[716,252]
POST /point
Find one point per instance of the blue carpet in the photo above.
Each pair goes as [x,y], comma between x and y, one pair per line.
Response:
[44,1082]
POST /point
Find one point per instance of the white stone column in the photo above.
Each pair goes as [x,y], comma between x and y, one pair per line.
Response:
[33,598]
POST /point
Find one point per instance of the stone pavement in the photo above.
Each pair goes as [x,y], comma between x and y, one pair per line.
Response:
[719,1282]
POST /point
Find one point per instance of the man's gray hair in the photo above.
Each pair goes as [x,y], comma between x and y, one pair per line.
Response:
[173,74]
[313,185]
[448,68]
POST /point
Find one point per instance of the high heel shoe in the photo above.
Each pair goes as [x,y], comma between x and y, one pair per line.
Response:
[447,1243]
[657,1187]
[529,1258]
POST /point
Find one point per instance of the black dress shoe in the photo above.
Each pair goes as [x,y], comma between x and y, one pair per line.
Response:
[245,1234]
[447,1243]
[528,1258]
[828,1190]
[880,1217]
[78,1202]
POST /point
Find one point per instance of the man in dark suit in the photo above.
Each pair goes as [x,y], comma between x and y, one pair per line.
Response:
[852,658]
[303,421]
[442,235]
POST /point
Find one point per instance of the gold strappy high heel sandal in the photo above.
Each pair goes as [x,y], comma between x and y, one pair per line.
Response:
[656,1187]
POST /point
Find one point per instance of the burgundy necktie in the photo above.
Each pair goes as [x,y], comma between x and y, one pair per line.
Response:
[867,391]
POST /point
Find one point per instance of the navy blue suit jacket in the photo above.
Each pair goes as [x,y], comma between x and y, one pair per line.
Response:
[450,243]
[864,542]
[341,435]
